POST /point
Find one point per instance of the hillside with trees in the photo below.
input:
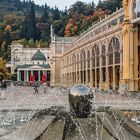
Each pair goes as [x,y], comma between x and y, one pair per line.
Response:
[29,24]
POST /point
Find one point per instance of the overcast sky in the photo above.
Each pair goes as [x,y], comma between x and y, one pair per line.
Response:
[61,3]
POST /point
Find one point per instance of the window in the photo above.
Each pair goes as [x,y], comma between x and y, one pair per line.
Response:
[97,56]
[93,57]
[113,50]
[88,59]
[103,55]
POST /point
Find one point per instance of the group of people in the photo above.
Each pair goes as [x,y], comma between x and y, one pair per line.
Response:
[36,87]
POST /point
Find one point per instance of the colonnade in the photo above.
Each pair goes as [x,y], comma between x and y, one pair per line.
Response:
[96,66]
[24,75]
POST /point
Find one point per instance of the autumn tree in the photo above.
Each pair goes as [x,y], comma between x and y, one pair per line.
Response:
[3,70]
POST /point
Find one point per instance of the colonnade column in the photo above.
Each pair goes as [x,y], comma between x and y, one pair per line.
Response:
[18,74]
[79,76]
[101,79]
[114,78]
[77,73]
[96,73]
[25,76]
[101,73]
[114,74]
[86,74]
[107,74]
[39,78]
[96,77]
[91,77]
[126,55]
[134,58]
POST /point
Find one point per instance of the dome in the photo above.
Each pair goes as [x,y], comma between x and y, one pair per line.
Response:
[38,56]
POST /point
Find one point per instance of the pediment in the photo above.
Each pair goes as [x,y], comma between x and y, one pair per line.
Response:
[35,67]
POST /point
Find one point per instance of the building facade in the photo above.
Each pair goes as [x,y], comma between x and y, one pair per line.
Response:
[29,61]
[107,55]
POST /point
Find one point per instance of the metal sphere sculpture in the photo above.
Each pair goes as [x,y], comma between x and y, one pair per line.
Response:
[80,97]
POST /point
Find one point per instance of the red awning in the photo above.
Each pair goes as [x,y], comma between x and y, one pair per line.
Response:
[32,77]
[44,78]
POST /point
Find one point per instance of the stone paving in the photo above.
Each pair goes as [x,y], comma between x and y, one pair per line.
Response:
[24,98]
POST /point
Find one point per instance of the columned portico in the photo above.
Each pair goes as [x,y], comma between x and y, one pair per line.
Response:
[36,70]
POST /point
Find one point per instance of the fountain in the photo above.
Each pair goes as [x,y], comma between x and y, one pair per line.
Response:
[80,99]
[84,120]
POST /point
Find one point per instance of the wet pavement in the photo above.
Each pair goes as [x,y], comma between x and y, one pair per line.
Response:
[24,98]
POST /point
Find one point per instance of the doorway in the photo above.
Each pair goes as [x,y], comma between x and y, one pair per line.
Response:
[36,75]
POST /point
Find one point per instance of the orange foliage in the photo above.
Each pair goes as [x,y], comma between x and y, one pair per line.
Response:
[8,28]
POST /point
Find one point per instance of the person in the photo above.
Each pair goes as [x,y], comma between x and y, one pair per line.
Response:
[44,87]
[36,87]
[3,87]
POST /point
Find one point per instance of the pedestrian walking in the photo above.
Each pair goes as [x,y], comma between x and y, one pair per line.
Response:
[3,85]
[3,92]
[36,87]
[44,87]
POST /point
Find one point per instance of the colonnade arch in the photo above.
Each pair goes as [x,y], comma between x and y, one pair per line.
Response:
[96,64]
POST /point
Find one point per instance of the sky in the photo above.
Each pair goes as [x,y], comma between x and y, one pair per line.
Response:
[61,3]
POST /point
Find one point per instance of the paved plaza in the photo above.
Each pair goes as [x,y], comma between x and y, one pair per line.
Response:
[24,98]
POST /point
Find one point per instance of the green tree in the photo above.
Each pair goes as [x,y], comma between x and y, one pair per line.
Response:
[100,5]
[23,41]
[91,8]
[5,48]
[45,16]
[109,5]
[5,51]
[65,13]
[56,14]
[37,44]
[31,43]
[31,22]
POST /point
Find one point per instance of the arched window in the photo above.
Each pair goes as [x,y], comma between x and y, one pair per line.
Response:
[110,52]
[84,59]
[88,59]
[103,55]
[74,62]
[97,56]
[78,61]
[81,60]
[114,50]
[93,57]
[117,50]
[136,8]
[73,58]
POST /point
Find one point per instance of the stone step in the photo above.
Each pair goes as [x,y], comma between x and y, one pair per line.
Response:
[31,130]
[54,131]
[115,127]
[88,129]
[128,124]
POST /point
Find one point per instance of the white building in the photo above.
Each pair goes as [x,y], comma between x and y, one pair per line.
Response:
[27,61]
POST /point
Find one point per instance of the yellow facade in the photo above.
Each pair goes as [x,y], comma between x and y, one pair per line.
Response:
[95,60]
[130,48]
